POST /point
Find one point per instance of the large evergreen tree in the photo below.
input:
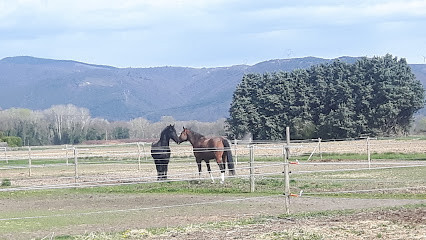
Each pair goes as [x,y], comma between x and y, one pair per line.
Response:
[374,96]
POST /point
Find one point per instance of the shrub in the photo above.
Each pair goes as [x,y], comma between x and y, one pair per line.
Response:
[5,182]
[13,141]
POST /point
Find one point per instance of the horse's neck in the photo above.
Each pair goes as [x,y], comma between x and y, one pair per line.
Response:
[195,139]
[164,139]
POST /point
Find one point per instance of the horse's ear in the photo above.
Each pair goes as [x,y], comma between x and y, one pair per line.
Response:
[183,127]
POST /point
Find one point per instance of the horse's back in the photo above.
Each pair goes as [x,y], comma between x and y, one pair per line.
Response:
[160,152]
[216,143]
[209,148]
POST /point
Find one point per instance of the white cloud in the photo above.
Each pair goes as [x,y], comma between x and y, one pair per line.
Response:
[392,8]
[176,32]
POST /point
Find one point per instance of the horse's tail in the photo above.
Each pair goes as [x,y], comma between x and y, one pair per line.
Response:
[230,161]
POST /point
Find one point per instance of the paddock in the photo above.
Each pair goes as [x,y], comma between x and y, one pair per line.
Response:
[391,169]
[94,165]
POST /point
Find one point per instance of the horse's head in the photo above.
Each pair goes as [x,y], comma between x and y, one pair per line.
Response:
[184,135]
[171,132]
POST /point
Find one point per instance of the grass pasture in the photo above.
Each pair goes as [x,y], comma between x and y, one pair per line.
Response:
[116,195]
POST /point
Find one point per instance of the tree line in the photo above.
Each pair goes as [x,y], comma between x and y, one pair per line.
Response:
[69,124]
[374,96]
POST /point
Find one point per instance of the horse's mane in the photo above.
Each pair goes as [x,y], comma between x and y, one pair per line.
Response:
[165,130]
[195,134]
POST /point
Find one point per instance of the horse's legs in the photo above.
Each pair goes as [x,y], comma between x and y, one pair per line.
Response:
[199,168]
[159,169]
[165,168]
[221,162]
[222,172]
[209,170]
[222,166]
[161,165]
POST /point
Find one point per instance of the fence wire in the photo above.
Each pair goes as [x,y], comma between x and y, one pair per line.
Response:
[132,162]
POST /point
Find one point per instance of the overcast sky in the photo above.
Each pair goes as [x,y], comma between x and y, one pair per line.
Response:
[211,33]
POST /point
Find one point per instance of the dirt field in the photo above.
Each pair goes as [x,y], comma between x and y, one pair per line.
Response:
[380,224]
[87,213]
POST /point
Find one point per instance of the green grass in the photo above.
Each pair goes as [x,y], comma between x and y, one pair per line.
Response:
[322,183]
[331,213]
[5,182]
[33,225]
[81,160]
[343,156]
[231,186]
[419,137]
[399,156]
[313,183]
[374,195]
[35,162]
[325,182]
[325,157]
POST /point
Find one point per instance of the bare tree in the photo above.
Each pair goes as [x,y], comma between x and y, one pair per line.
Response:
[68,122]
[139,127]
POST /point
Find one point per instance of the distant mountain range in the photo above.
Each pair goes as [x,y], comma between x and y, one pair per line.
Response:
[185,93]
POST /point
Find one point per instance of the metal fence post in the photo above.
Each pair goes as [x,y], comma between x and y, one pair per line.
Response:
[5,155]
[368,153]
[144,152]
[75,164]
[236,152]
[29,161]
[66,153]
[139,156]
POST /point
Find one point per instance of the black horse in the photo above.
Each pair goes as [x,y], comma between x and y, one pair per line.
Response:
[160,151]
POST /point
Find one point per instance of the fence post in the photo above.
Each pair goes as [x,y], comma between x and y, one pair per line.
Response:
[368,153]
[5,155]
[29,161]
[286,173]
[75,164]
[319,147]
[252,187]
[144,152]
[236,152]
[139,156]
[66,153]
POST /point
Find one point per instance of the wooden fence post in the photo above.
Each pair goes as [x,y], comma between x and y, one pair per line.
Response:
[319,147]
[286,173]
[252,187]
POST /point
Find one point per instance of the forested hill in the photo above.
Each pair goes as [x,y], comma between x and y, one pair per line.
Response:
[185,93]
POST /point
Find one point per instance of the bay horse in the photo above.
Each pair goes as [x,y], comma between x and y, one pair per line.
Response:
[160,151]
[209,148]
